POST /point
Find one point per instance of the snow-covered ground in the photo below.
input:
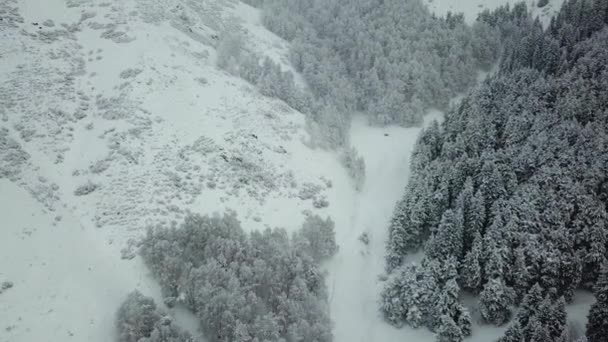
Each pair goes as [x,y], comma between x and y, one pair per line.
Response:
[67,282]
[125,96]
[354,272]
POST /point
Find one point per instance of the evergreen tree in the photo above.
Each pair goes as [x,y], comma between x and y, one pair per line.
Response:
[447,240]
[495,302]
[513,334]
[530,143]
[521,275]
[448,330]
[470,275]
[530,305]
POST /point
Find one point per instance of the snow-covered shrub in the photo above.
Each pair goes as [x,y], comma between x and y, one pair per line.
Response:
[308,191]
[5,286]
[139,320]
[355,165]
[85,189]
[100,166]
[12,155]
[364,238]
[320,203]
[130,73]
[244,287]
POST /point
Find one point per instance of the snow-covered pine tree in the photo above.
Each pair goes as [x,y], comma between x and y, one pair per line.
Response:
[448,330]
[448,238]
[495,301]
[471,269]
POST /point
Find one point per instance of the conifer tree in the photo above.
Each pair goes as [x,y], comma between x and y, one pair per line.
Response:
[495,301]
[470,275]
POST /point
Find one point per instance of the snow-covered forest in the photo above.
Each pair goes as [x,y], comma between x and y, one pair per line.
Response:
[304,170]
[507,197]
[391,60]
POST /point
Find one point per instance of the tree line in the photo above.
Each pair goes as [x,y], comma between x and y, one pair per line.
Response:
[508,196]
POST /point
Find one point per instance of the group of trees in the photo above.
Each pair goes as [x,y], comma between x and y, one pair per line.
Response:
[388,58]
[261,72]
[427,295]
[261,286]
[508,196]
[327,125]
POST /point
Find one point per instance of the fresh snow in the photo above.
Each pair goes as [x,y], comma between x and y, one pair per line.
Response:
[167,133]
[68,282]
[354,272]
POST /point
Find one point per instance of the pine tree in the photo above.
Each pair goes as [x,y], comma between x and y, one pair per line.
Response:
[495,301]
[448,239]
[446,302]
[463,320]
[513,334]
[530,304]
[539,333]
[490,180]
[476,214]
[521,275]
[470,275]
[551,315]
[448,330]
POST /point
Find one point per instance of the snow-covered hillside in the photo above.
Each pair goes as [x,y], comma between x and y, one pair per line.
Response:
[114,117]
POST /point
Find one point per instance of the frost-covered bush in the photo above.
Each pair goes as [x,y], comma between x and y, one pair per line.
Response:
[355,165]
[100,166]
[5,286]
[12,155]
[320,203]
[139,320]
[309,190]
[244,287]
[130,73]
[85,189]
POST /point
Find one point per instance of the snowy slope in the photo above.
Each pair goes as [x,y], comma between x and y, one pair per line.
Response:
[125,95]
[66,283]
